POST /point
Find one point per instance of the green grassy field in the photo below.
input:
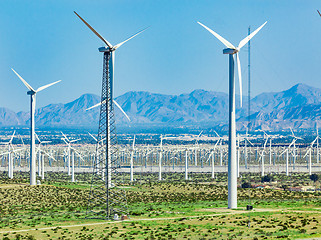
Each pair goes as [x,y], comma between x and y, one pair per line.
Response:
[171,209]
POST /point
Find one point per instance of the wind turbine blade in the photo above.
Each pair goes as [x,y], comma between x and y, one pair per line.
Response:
[319,13]
[216,133]
[121,110]
[46,86]
[314,141]
[265,143]
[49,155]
[292,132]
[23,144]
[240,76]
[307,153]
[65,136]
[293,141]
[93,137]
[94,31]
[200,134]
[65,141]
[134,142]
[223,40]
[38,138]
[249,141]
[248,38]
[96,105]
[24,81]
[12,136]
[119,44]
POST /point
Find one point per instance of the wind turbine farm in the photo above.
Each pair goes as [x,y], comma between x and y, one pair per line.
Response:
[169,147]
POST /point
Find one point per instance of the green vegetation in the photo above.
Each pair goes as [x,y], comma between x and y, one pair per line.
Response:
[171,209]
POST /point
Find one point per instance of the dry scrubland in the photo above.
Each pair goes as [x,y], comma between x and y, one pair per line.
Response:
[172,209]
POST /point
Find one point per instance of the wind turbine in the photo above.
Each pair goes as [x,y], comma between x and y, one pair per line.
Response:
[293,143]
[317,142]
[160,159]
[132,161]
[112,203]
[197,146]
[41,160]
[232,163]
[32,92]
[221,150]
[309,152]
[9,152]
[262,155]
[68,142]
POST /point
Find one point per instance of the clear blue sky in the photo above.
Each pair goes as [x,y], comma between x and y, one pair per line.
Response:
[44,41]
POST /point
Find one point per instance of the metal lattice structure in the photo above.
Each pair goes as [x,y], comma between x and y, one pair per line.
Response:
[106,199]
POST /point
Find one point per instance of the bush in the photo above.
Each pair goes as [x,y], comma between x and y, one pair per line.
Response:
[314,177]
[246,185]
[267,178]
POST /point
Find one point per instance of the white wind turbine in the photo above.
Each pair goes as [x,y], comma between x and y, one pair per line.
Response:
[232,163]
[32,92]
[132,161]
[309,152]
[221,150]
[10,152]
[294,149]
[41,160]
[317,142]
[160,159]
[197,146]
[262,155]
[68,142]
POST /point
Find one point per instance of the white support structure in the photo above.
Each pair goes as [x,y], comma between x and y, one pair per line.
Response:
[213,165]
[132,162]
[186,165]
[43,168]
[262,165]
[287,163]
[73,166]
[160,160]
[310,163]
[39,163]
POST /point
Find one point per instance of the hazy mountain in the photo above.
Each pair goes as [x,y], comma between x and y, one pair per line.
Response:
[299,106]
[296,96]
[9,118]
[195,107]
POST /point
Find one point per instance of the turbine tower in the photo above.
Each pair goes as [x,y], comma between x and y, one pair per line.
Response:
[32,94]
[106,200]
[232,161]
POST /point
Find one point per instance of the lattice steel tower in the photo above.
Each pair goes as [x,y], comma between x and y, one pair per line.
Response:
[106,198]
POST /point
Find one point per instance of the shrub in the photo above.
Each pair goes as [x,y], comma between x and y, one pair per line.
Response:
[314,177]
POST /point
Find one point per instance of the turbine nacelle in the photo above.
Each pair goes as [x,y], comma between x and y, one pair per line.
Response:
[31,92]
[230,51]
[106,49]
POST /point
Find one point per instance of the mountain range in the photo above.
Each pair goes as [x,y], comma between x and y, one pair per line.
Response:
[297,107]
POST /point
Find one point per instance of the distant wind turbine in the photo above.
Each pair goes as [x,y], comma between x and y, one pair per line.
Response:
[232,161]
[32,92]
